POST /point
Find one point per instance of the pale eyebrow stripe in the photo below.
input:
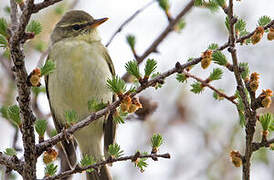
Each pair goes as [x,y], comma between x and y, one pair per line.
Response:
[80,24]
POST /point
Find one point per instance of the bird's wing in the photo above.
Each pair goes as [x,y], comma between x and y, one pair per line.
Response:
[69,146]
[109,125]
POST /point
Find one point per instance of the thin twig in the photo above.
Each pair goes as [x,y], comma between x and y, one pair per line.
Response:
[108,161]
[128,21]
[250,116]
[37,7]
[13,15]
[11,162]
[153,47]
[204,83]
[256,146]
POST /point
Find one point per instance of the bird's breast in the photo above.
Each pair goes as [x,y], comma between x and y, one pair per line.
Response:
[80,75]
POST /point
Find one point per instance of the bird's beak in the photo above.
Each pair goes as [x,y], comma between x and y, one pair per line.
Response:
[98,22]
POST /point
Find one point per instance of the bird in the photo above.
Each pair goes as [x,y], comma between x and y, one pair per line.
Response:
[82,67]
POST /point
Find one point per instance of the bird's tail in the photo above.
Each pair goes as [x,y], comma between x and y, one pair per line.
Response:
[70,152]
[102,174]
[89,140]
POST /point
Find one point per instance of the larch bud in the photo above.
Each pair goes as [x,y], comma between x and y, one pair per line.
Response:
[50,156]
[206,59]
[270,35]
[236,158]
[257,36]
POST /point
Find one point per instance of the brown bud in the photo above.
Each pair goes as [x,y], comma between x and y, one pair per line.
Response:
[205,62]
[35,80]
[135,105]
[206,59]
[125,104]
[265,93]
[270,35]
[37,72]
[254,85]
[132,108]
[257,36]
[124,107]
[266,102]
[236,158]
[265,133]
[50,156]
[254,76]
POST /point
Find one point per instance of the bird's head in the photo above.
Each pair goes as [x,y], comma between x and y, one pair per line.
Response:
[78,24]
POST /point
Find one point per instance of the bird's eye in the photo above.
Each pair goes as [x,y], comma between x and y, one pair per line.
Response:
[76,27]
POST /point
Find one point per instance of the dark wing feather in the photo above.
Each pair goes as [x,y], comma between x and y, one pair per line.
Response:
[110,125]
[67,145]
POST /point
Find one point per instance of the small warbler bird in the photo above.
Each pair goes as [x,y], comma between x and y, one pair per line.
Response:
[83,66]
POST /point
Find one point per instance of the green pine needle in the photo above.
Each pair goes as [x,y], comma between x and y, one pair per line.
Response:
[141,163]
[240,25]
[4,112]
[116,84]
[221,2]
[181,77]
[19,1]
[217,96]
[244,33]
[60,10]
[94,105]
[219,58]
[53,132]
[150,67]
[6,53]
[48,68]
[87,160]
[155,75]
[40,127]
[197,87]
[132,89]
[119,118]
[213,46]
[3,27]
[131,41]
[40,46]
[227,25]
[133,69]
[115,151]
[10,152]
[50,170]
[3,42]
[164,4]
[37,90]
[246,71]
[158,85]
[266,120]
[156,140]
[14,114]
[264,20]
[198,2]
[271,127]
[7,9]
[35,27]
[212,6]
[216,74]
[242,119]
[71,117]
[181,25]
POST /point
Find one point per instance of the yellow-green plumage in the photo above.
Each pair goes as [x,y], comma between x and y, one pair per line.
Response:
[82,68]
